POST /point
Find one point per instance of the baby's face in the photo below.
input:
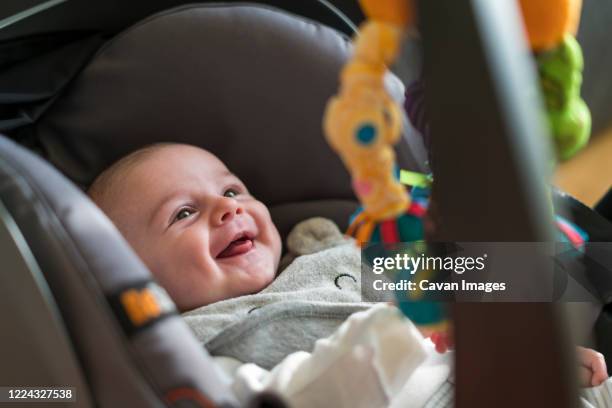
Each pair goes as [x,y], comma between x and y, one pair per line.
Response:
[194,224]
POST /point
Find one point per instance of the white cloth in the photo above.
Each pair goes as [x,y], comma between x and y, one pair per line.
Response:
[598,397]
[368,362]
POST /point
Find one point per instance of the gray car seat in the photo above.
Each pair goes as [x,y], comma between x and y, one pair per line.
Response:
[248,83]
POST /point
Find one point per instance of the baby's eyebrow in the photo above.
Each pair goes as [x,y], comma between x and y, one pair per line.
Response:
[227,173]
[162,203]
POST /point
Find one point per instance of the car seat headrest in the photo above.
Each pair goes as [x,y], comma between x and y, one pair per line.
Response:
[249,83]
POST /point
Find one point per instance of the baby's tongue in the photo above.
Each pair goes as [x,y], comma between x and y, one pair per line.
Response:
[237,247]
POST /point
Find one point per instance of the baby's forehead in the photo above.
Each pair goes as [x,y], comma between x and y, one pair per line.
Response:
[180,166]
[180,153]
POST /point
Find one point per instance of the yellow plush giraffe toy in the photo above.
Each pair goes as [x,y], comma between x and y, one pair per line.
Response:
[363,122]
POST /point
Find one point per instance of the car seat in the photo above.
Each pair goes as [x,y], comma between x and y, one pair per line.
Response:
[248,83]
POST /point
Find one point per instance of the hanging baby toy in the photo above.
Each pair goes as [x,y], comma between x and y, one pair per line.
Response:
[363,122]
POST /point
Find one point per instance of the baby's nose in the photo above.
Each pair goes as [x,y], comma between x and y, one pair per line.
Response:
[225,211]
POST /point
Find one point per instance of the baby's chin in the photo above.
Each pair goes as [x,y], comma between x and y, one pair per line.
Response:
[249,285]
[249,277]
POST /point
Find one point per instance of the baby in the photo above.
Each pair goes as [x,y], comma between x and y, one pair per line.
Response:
[192,222]
[207,240]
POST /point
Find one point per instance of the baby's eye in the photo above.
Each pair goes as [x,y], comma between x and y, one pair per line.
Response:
[231,192]
[183,213]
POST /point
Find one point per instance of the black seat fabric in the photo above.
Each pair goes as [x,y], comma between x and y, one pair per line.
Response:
[247,82]
[42,53]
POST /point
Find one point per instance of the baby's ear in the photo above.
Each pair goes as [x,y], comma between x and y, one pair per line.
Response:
[314,235]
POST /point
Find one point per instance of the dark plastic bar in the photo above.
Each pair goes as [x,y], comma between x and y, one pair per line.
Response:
[490,167]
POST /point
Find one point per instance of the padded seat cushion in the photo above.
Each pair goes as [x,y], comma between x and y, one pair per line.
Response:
[249,83]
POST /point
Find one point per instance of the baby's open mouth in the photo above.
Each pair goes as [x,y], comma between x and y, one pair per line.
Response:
[239,245]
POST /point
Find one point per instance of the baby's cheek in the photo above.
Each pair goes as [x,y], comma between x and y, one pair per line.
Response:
[261,270]
[163,274]
[186,272]
[193,251]
[271,232]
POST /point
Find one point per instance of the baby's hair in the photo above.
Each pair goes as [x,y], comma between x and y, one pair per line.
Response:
[104,187]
